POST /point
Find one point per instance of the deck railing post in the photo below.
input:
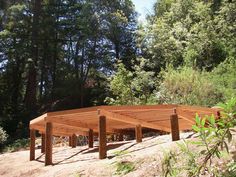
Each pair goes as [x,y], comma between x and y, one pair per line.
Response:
[32,144]
[138,133]
[90,138]
[42,143]
[48,144]
[102,136]
[174,127]
[74,141]
[70,141]
[121,137]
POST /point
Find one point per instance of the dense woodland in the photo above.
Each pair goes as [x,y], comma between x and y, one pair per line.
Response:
[57,55]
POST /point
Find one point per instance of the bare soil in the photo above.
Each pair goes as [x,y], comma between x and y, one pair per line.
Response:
[82,161]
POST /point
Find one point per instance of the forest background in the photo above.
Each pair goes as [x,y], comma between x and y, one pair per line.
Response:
[57,55]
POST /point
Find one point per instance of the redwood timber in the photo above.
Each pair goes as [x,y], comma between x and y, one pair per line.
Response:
[174,127]
[90,138]
[74,141]
[42,143]
[138,133]
[102,137]
[70,141]
[48,148]
[121,137]
[131,120]
[32,144]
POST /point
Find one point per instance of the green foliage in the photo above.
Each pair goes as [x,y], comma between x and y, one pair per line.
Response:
[120,153]
[124,167]
[223,77]
[201,157]
[229,171]
[168,164]
[3,136]
[185,86]
[56,55]
[17,145]
[132,88]
[215,133]
[189,163]
[120,85]
[189,32]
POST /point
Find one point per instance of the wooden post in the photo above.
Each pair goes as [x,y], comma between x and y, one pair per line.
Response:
[70,141]
[138,133]
[90,138]
[102,137]
[174,127]
[74,141]
[48,144]
[32,144]
[42,143]
[121,137]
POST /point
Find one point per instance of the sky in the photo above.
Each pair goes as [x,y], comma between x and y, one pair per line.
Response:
[143,7]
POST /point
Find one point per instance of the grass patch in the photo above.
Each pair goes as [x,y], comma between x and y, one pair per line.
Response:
[124,167]
[120,153]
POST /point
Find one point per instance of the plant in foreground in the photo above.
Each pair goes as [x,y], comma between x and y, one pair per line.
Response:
[215,134]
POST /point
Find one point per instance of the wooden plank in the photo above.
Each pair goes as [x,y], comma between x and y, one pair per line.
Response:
[38,119]
[74,111]
[83,125]
[90,138]
[32,144]
[42,143]
[102,138]
[138,107]
[131,120]
[62,129]
[198,109]
[174,127]
[48,148]
[138,133]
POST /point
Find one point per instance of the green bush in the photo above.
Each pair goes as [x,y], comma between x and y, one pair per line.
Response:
[17,145]
[223,77]
[188,86]
[3,136]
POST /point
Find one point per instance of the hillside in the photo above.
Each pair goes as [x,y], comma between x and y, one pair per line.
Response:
[146,158]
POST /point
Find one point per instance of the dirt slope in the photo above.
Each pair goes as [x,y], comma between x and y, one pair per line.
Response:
[82,161]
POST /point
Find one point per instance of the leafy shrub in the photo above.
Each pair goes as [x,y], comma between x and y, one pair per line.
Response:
[131,88]
[3,136]
[223,77]
[17,145]
[213,146]
[188,86]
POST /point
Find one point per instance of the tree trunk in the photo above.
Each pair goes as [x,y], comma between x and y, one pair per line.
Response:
[30,95]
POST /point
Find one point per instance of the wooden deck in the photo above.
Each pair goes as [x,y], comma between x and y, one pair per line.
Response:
[104,120]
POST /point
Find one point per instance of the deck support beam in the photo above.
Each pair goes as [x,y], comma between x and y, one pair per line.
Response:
[32,144]
[48,143]
[42,143]
[102,137]
[138,133]
[74,141]
[90,138]
[174,127]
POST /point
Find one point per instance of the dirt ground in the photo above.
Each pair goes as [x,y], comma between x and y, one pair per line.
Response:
[82,161]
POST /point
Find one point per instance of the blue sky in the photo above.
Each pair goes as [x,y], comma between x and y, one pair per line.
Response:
[144,7]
